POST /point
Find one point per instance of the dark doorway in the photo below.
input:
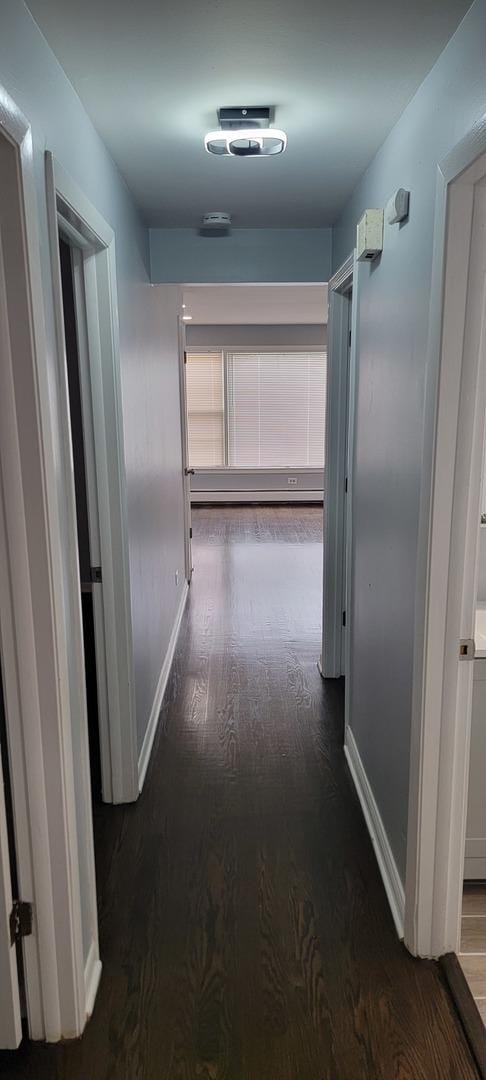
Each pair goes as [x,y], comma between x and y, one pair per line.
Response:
[82,513]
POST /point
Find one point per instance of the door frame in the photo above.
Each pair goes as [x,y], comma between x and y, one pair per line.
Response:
[340,411]
[72,215]
[186,475]
[59,986]
[445,595]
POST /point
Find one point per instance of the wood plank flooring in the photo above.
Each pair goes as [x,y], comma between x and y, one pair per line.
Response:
[245,932]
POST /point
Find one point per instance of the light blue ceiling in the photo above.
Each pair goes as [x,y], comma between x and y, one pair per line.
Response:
[152,73]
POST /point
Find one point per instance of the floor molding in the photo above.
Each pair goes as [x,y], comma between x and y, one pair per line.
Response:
[92,976]
[384,855]
[148,739]
[466,1008]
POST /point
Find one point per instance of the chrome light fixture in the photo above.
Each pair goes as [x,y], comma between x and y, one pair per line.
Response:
[245,132]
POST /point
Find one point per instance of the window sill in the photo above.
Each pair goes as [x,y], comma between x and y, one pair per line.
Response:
[278,470]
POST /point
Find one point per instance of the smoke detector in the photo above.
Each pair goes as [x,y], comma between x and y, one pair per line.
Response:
[246,132]
[216,219]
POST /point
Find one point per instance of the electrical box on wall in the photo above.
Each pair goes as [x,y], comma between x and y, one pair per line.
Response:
[369,235]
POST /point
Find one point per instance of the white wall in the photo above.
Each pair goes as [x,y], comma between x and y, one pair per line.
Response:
[262,305]
[154,475]
[32,76]
[393,325]
[255,337]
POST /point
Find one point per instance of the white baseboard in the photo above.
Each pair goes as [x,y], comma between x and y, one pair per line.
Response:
[260,496]
[92,975]
[148,739]
[384,855]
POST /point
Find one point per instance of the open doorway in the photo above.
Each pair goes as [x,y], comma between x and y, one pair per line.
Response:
[472,945]
[84,284]
[255,395]
[82,444]
[445,894]
[335,652]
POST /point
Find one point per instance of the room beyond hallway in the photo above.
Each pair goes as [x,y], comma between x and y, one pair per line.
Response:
[244,928]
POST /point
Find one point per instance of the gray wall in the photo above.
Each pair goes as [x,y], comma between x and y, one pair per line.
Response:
[32,76]
[393,323]
[251,337]
[154,477]
[184,255]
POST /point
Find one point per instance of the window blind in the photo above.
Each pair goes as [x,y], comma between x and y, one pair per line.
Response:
[205,408]
[276,409]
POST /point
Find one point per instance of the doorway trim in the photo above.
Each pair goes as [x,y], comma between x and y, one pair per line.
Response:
[442,686]
[186,473]
[341,364]
[60,986]
[71,214]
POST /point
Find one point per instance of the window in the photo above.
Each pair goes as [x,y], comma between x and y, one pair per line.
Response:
[258,410]
[205,408]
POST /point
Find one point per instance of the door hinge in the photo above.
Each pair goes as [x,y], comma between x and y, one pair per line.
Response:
[344,618]
[349,339]
[190,534]
[96,575]
[185,358]
[346,485]
[467,649]
[21,917]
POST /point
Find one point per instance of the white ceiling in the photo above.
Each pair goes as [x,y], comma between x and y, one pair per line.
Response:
[255,304]
[152,73]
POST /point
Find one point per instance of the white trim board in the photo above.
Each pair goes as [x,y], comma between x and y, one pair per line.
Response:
[151,730]
[341,362]
[384,856]
[260,496]
[71,212]
[41,749]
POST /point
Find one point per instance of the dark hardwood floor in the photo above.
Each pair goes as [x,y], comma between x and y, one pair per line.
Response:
[245,932]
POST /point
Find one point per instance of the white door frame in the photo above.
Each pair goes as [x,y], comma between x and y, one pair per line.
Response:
[59,986]
[186,475]
[445,588]
[341,364]
[70,213]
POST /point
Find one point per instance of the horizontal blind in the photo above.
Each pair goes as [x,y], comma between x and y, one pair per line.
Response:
[276,409]
[205,408]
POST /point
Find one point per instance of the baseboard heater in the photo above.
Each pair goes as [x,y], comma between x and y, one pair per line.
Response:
[270,496]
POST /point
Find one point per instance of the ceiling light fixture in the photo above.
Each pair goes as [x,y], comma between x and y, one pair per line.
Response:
[246,132]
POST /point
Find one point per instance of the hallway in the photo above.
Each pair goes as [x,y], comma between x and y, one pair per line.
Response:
[245,933]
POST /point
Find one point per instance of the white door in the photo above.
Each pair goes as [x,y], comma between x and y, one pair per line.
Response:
[10,1023]
[186,469]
